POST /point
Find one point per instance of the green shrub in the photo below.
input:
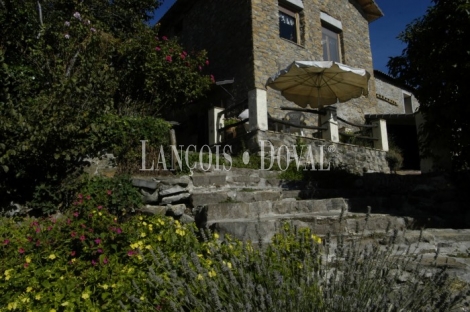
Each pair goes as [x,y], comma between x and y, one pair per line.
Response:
[117,194]
[394,159]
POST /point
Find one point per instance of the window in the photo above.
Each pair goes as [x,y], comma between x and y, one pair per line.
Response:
[407,103]
[288,25]
[331,42]
[290,20]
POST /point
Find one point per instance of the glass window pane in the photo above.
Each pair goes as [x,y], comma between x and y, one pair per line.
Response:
[330,42]
[287,28]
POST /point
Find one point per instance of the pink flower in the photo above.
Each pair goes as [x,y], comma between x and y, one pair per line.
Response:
[118,230]
[100,250]
[21,251]
[168,58]
[97,241]
[80,196]
[212,79]
[93,262]
[164,38]
[49,228]
[105,260]
[29,238]
[6,242]
[26,265]
[67,24]
[83,226]
[80,201]
[183,56]
[109,192]
[157,49]
[200,68]
[185,53]
[100,207]
[88,197]
[75,214]
[130,253]
[38,243]
[77,16]
[82,237]
[73,253]
[73,234]
[68,221]
[207,62]
[38,229]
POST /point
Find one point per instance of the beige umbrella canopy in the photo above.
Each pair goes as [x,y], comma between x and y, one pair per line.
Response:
[317,83]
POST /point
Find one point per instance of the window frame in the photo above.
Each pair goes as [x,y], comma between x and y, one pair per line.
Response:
[328,30]
[295,15]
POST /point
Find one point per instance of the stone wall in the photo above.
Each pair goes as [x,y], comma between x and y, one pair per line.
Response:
[243,42]
[387,91]
[350,158]
[272,53]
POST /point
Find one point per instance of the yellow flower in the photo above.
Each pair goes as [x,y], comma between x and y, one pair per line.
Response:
[316,239]
[105,286]
[52,310]
[37,297]
[159,238]
[149,247]
[229,265]
[25,299]
[52,256]
[85,295]
[64,304]
[140,218]
[28,259]
[29,289]
[12,305]
[199,277]
[216,236]
[142,298]
[143,234]
[134,245]
[99,213]
[144,223]
[73,260]
[212,273]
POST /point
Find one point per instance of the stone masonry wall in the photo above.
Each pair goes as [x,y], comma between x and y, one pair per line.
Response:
[394,93]
[242,39]
[272,53]
[350,158]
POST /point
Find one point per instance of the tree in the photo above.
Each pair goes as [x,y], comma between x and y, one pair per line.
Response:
[64,66]
[436,63]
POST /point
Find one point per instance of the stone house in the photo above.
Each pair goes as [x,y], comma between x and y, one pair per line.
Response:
[250,40]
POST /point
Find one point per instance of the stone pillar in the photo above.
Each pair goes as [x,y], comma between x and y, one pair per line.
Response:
[216,121]
[329,121]
[379,133]
[258,109]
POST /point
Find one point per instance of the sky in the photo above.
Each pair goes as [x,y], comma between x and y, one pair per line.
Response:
[383,32]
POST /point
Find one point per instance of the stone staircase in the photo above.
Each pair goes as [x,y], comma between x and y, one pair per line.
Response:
[254,204]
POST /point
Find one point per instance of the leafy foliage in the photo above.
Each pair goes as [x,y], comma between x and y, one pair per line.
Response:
[436,64]
[64,66]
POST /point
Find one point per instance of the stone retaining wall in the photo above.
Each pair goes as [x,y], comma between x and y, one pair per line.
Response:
[350,158]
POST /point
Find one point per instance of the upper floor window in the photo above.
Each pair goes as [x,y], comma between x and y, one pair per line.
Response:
[331,39]
[289,20]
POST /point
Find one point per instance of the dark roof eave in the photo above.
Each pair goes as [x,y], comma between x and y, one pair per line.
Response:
[372,10]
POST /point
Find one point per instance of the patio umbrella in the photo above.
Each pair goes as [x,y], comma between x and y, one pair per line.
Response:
[318,83]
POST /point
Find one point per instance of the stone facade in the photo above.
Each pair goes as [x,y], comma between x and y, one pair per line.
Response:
[243,42]
[391,96]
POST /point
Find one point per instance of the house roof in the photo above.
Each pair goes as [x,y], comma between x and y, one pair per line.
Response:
[371,9]
[391,80]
